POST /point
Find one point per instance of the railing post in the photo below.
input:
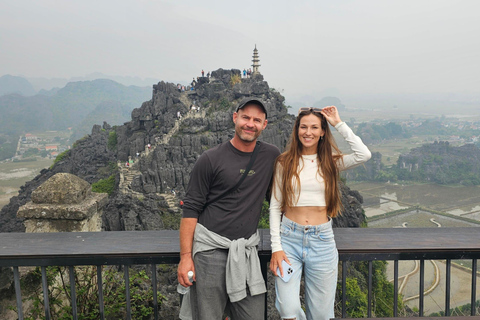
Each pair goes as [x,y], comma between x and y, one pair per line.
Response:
[154,288]
[447,287]
[263,266]
[100,293]
[395,288]
[73,293]
[46,302]
[127,292]
[18,292]
[344,289]
[473,302]
[422,287]
[370,288]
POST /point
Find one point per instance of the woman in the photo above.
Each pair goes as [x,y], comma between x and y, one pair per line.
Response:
[305,197]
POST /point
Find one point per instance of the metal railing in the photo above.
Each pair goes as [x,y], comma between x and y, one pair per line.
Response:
[128,248]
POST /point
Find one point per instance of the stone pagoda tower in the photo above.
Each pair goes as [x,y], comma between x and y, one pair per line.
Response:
[255,61]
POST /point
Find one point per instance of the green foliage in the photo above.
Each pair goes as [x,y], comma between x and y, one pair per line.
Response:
[108,170]
[76,143]
[357,300]
[224,104]
[8,146]
[104,185]
[464,310]
[114,290]
[31,152]
[234,79]
[357,289]
[62,156]
[440,163]
[264,222]
[372,132]
[171,221]
[112,140]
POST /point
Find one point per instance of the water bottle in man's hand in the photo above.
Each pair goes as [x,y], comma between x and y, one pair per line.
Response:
[181,289]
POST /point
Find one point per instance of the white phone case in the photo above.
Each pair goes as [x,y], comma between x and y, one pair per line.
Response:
[287,271]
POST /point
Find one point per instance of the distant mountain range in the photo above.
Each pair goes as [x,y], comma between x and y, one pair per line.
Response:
[11,84]
[78,105]
[28,86]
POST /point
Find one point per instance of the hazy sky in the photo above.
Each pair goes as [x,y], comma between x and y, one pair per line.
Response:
[356,46]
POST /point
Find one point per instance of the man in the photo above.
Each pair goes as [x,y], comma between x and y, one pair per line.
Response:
[218,241]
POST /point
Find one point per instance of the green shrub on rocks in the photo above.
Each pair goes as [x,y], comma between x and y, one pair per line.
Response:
[62,156]
[112,140]
[104,185]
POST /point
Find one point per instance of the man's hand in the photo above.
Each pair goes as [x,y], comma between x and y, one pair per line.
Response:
[187,229]
[185,265]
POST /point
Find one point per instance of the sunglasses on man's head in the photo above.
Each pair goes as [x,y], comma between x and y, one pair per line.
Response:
[305,109]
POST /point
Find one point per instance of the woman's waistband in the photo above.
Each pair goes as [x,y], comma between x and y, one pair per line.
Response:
[307,228]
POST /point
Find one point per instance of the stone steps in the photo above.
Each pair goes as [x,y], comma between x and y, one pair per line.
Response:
[172,201]
[127,175]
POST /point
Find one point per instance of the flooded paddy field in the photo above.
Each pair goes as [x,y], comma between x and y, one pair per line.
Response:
[458,202]
[13,175]
[420,219]
[381,198]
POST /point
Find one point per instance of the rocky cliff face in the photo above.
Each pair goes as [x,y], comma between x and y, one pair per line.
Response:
[175,146]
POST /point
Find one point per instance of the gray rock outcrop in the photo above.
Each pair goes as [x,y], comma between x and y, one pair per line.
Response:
[64,203]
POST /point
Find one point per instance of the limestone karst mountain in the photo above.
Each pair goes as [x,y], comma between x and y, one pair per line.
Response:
[146,196]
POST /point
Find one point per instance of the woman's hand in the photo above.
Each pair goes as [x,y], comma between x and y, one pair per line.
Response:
[331,114]
[276,262]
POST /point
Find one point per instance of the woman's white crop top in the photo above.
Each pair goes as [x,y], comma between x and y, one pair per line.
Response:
[312,185]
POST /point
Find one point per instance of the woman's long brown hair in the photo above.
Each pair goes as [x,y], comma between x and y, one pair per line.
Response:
[327,155]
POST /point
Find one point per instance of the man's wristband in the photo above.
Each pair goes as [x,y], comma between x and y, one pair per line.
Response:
[185,253]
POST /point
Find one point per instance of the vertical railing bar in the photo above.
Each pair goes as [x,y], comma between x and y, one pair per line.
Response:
[395,288]
[100,293]
[422,287]
[344,289]
[264,269]
[447,287]
[46,302]
[154,288]
[127,293]
[370,288]
[73,293]
[18,292]
[474,287]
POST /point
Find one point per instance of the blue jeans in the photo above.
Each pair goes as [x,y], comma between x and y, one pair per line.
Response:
[312,250]
[209,293]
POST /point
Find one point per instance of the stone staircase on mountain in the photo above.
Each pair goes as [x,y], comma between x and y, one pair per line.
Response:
[126,178]
[172,201]
[127,174]
[190,114]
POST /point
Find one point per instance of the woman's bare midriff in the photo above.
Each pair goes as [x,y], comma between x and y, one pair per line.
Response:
[307,215]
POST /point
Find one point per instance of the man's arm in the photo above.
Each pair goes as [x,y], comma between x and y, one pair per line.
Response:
[187,229]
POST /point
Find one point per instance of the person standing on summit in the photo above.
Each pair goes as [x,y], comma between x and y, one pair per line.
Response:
[221,210]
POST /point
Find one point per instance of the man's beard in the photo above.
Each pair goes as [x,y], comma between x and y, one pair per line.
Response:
[247,137]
